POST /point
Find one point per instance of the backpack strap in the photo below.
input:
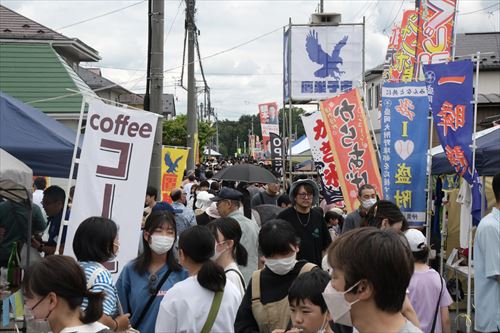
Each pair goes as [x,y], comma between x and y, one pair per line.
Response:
[239,275]
[212,314]
[261,196]
[307,268]
[93,277]
[437,305]
[256,286]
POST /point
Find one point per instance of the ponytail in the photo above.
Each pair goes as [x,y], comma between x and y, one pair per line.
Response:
[240,254]
[211,276]
[94,308]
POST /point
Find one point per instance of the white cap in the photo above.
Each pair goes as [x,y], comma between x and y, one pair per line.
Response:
[416,239]
[212,211]
[203,200]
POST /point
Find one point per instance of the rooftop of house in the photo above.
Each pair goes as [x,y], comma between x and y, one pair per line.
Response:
[94,79]
[15,27]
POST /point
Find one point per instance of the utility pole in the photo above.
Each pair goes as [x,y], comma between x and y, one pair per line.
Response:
[192,121]
[321,7]
[156,78]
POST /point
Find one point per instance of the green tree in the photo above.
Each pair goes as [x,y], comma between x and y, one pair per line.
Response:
[175,132]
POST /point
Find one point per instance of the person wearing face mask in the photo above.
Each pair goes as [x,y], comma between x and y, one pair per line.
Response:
[144,281]
[229,253]
[96,242]
[265,305]
[53,290]
[205,301]
[371,271]
[367,196]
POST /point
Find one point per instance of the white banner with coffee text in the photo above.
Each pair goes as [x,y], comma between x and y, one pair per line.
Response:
[113,174]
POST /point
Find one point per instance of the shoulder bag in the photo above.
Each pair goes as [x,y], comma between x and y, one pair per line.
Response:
[437,305]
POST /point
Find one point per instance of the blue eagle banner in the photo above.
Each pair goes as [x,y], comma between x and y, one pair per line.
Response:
[450,93]
[405,107]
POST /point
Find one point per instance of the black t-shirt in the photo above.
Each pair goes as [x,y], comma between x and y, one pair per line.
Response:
[313,233]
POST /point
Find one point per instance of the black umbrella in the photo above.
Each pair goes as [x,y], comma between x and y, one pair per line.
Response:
[246,173]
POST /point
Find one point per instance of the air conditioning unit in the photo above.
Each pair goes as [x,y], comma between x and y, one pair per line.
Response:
[326,18]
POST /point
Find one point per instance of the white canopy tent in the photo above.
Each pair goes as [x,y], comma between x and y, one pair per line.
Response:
[211,152]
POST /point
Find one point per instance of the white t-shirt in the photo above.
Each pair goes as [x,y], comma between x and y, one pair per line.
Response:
[87,328]
[185,308]
[235,277]
[465,199]
[37,198]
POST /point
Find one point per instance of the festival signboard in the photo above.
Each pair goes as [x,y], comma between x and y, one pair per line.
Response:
[450,90]
[173,165]
[404,147]
[322,154]
[112,174]
[322,61]
[351,145]
[268,113]
[277,151]
[435,33]
[392,48]
[401,69]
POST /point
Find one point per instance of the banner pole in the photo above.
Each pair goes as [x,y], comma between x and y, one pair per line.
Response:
[70,177]
[454,32]
[283,125]
[290,97]
[444,233]
[469,261]
[429,183]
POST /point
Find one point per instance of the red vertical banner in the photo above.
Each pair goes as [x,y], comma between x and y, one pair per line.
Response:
[435,33]
[402,68]
[351,144]
[392,48]
[268,113]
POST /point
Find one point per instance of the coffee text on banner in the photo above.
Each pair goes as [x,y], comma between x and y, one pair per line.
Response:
[112,174]
[435,33]
[450,94]
[322,155]
[351,144]
[405,107]
[268,113]
[403,65]
[172,169]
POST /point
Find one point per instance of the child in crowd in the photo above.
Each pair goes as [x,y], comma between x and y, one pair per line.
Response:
[334,221]
[308,308]
[371,270]
[428,293]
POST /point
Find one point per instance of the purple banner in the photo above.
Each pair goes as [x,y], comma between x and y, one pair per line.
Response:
[450,94]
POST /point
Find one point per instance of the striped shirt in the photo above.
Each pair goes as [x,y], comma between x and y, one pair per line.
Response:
[103,282]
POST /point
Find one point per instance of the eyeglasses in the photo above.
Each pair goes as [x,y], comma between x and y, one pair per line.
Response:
[305,195]
[153,278]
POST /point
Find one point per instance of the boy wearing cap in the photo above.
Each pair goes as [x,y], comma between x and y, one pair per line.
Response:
[427,290]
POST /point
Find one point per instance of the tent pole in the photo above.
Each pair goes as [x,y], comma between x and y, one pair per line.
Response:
[444,234]
[476,93]
[429,184]
[70,177]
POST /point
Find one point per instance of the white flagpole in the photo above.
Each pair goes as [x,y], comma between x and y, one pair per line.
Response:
[70,177]
[476,93]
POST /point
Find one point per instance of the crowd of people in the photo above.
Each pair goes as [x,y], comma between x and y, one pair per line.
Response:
[237,257]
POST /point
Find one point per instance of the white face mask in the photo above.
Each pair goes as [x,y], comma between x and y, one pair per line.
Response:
[217,254]
[368,203]
[339,308]
[36,325]
[161,244]
[281,266]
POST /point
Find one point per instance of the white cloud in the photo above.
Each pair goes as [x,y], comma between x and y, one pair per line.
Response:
[240,78]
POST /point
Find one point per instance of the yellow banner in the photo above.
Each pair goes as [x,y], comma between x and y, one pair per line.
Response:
[173,166]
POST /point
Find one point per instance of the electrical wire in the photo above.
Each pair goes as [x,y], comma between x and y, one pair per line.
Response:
[395,17]
[101,15]
[479,10]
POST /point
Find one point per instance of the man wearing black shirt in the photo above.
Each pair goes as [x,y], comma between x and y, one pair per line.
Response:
[307,222]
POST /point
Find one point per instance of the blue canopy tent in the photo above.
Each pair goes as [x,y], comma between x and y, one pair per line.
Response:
[487,154]
[41,142]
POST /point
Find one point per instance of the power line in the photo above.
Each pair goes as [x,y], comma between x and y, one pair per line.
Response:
[395,17]
[101,15]
[479,10]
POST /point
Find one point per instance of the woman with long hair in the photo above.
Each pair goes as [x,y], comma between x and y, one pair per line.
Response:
[229,253]
[95,243]
[144,281]
[54,289]
[204,302]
